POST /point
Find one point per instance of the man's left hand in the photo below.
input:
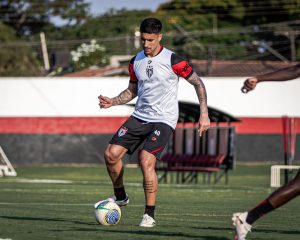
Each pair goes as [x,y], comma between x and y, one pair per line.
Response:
[203,124]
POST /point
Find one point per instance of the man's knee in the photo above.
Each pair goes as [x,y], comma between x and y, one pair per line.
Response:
[112,155]
[147,160]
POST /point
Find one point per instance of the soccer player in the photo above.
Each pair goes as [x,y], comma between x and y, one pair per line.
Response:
[154,75]
[282,195]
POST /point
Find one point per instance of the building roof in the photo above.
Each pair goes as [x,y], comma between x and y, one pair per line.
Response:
[100,72]
[236,68]
[204,68]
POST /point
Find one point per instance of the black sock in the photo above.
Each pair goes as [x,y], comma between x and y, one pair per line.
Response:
[150,210]
[260,210]
[120,193]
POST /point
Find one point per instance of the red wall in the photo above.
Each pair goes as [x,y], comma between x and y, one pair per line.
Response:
[50,125]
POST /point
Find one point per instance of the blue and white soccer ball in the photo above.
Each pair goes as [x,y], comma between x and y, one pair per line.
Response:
[107,212]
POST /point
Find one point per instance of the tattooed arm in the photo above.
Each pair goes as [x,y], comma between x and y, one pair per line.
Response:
[204,121]
[284,74]
[124,97]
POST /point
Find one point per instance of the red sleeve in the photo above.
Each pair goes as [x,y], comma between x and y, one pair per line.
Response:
[133,78]
[180,66]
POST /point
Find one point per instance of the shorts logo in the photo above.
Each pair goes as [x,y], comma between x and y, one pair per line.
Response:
[122,131]
[153,139]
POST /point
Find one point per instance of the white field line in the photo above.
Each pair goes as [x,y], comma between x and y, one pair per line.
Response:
[58,181]
[44,181]
[185,186]
[131,205]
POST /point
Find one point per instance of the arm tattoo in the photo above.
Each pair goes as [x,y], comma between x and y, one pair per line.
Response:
[200,90]
[125,96]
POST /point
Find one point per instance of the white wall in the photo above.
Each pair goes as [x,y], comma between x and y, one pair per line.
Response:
[78,97]
[267,100]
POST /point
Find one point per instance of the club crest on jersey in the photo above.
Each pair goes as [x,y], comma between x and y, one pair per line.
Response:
[122,131]
[149,71]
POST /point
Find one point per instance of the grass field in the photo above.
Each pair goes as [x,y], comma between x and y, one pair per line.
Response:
[57,203]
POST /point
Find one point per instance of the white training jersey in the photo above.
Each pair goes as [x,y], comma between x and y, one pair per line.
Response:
[157,78]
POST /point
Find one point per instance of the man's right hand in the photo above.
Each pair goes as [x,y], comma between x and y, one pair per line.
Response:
[249,84]
[105,102]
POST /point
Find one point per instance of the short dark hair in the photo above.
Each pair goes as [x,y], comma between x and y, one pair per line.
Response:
[151,25]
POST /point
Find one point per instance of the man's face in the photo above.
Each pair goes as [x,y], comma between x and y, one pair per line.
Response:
[151,43]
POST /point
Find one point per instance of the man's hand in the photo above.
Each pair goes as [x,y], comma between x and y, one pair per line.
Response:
[105,102]
[203,123]
[249,84]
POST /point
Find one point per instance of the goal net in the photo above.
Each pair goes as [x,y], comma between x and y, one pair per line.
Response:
[6,169]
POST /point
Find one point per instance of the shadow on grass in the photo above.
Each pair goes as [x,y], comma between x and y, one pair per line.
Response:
[45,219]
[153,232]
[296,232]
[145,232]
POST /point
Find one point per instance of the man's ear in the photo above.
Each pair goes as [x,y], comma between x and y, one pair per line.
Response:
[160,37]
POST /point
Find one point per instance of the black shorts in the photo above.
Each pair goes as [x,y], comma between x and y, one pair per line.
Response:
[135,131]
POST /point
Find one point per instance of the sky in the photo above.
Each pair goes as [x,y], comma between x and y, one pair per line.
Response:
[99,7]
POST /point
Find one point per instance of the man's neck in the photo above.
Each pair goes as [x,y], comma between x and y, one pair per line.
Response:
[156,52]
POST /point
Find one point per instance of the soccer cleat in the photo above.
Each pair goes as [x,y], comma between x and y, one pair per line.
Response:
[147,221]
[241,226]
[121,203]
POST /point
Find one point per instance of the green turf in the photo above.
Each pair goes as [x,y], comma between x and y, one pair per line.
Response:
[31,209]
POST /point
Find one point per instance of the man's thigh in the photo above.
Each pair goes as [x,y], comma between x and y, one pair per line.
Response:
[131,134]
[158,139]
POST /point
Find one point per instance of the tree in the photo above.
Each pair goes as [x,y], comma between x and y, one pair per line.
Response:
[115,29]
[28,17]
[201,15]
[282,20]
[270,11]
[202,20]
[195,26]
[16,62]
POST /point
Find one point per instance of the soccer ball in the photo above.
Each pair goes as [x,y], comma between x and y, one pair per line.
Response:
[107,212]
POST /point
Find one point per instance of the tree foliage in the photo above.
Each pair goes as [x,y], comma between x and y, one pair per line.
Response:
[216,29]
[28,17]
[202,20]
[200,14]
[270,11]
[16,62]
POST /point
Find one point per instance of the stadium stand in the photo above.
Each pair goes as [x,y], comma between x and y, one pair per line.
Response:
[187,154]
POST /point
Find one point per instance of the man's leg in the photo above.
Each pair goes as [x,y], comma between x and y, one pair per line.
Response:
[278,198]
[150,183]
[281,196]
[113,160]
[147,162]
[286,193]
[156,141]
